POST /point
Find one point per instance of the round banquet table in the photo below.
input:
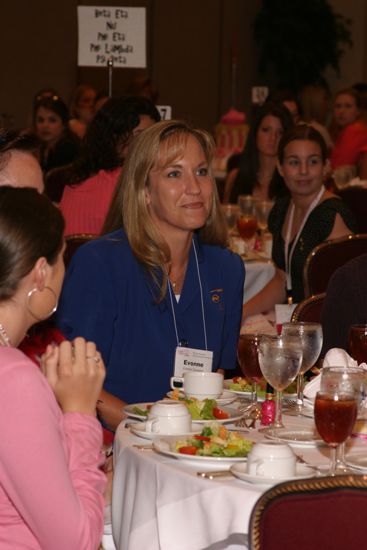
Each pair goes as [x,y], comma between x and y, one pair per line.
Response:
[159,502]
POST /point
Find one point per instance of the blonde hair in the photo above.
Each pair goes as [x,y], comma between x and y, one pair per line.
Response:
[147,244]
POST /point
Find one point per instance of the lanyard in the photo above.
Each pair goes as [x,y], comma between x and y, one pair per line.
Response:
[288,257]
[201,298]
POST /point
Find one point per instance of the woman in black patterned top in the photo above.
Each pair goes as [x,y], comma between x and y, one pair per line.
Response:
[300,222]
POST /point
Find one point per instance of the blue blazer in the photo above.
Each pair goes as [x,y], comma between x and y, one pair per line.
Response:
[109,298]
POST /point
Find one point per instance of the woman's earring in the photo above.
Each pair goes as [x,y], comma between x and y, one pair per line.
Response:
[29,296]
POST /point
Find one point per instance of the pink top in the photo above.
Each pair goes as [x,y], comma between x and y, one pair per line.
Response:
[50,482]
[351,143]
[85,206]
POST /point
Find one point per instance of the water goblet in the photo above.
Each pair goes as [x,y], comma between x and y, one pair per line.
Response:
[247,204]
[311,342]
[280,359]
[349,379]
[262,209]
[335,414]
[231,213]
[357,343]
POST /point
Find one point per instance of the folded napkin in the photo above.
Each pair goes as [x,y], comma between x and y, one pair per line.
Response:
[258,324]
[335,357]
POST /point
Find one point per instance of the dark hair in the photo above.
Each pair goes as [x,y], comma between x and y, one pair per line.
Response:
[53,104]
[110,130]
[282,95]
[302,132]
[45,92]
[30,227]
[249,161]
[15,141]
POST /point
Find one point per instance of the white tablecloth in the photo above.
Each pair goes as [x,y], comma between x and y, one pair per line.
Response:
[258,274]
[160,503]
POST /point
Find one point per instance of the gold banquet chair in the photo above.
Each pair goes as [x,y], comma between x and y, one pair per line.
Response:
[326,257]
[309,310]
[73,242]
[309,514]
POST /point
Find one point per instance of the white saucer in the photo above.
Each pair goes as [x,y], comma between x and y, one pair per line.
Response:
[296,438]
[139,430]
[240,471]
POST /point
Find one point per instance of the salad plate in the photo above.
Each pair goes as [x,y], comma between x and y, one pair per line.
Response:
[233,416]
[240,471]
[224,399]
[140,411]
[137,410]
[235,388]
[296,438]
[243,393]
[167,446]
[139,430]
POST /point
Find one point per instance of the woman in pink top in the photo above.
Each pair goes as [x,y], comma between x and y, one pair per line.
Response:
[51,484]
[87,197]
[351,139]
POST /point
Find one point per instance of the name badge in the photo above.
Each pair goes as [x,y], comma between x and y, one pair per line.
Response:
[188,359]
[283,314]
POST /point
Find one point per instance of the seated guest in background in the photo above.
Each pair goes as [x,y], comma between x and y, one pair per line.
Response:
[351,138]
[298,223]
[82,109]
[59,146]
[92,179]
[257,173]
[289,100]
[345,304]
[19,166]
[163,280]
[51,484]
[314,101]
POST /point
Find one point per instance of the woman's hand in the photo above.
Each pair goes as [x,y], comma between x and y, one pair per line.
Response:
[75,372]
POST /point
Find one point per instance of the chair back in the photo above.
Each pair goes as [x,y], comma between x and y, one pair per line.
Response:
[73,242]
[326,257]
[308,514]
[356,198]
[309,310]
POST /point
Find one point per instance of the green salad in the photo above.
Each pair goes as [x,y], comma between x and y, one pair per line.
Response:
[215,440]
[199,410]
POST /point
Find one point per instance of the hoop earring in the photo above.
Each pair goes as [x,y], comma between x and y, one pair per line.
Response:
[29,296]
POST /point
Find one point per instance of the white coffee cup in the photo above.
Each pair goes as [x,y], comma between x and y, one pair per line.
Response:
[271,459]
[169,418]
[200,385]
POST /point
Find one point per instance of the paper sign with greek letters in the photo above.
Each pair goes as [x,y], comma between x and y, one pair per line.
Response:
[111,33]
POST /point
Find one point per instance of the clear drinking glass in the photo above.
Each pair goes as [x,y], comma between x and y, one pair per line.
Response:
[231,213]
[310,335]
[280,359]
[262,209]
[335,415]
[349,379]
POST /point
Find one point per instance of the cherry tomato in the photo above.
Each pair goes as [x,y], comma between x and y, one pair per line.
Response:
[201,437]
[219,413]
[189,450]
[237,379]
